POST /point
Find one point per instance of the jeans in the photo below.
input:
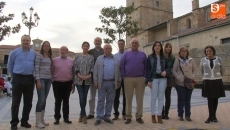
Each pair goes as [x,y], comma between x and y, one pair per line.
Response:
[82,92]
[184,100]
[166,108]
[157,92]
[22,85]
[106,94]
[117,100]
[43,94]
[62,92]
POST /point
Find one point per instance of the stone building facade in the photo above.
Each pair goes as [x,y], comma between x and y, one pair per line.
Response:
[194,30]
[36,45]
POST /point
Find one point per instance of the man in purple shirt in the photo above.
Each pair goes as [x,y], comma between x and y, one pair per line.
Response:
[133,67]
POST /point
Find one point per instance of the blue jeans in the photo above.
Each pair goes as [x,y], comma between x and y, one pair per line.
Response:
[158,92]
[43,94]
[82,92]
[106,95]
[184,100]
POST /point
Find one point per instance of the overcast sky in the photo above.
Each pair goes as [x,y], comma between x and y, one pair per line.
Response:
[71,22]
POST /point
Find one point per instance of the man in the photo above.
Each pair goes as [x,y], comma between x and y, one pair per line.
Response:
[97,51]
[121,46]
[63,75]
[133,67]
[21,66]
[107,78]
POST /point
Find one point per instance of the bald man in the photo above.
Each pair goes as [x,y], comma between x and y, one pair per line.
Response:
[62,75]
[107,79]
[96,52]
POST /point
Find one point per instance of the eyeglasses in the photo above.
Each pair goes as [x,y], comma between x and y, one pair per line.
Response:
[135,43]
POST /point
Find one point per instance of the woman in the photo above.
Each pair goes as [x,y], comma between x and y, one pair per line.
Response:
[157,65]
[212,69]
[168,54]
[187,65]
[43,63]
[83,65]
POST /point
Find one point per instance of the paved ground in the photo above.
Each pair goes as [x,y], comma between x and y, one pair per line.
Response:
[199,115]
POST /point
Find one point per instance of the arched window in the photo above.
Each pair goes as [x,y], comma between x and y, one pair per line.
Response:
[157,3]
[188,24]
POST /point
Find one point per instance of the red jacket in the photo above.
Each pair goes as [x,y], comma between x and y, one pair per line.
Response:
[2,84]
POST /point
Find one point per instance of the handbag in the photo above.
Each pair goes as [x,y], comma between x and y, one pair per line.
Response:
[171,81]
[188,83]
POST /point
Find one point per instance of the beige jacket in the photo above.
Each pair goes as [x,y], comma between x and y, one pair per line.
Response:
[189,69]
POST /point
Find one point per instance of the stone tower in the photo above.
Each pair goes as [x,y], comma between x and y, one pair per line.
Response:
[150,13]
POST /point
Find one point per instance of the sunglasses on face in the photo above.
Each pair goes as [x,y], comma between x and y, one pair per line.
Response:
[135,43]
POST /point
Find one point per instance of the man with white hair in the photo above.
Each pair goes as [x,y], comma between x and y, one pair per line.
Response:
[62,71]
[133,68]
[107,79]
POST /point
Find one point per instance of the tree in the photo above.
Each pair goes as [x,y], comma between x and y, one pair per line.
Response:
[4,29]
[117,22]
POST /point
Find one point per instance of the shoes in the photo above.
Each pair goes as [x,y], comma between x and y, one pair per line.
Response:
[124,117]
[14,127]
[80,118]
[154,119]
[181,118]
[8,95]
[139,120]
[166,117]
[56,122]
[115,118]
[68,121]
[127,121]
[26,125]
[209,120]
[162,116]
[84,119]
[90,117]
[97,122]
[215,119]
[188,118]
[108,121]
[159,119]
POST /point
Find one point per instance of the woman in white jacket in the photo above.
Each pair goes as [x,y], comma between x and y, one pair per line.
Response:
[212,69]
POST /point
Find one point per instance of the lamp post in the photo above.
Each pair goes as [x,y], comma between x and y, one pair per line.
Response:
[30,24]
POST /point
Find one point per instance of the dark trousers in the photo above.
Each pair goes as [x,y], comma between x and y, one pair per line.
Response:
[83,92]
[62,92]
[184,100]
[117,101]
[167,105]
[21,85]
[212,107]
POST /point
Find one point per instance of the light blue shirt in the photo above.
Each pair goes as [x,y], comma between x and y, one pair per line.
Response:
[21,62]
[108,68]
[119,55]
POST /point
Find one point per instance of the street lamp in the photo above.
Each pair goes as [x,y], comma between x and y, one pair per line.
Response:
[30,24]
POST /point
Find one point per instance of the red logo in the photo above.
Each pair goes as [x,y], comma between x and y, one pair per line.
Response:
[218,11]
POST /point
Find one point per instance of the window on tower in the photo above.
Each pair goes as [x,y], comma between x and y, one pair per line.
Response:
[188,24]
[157,3]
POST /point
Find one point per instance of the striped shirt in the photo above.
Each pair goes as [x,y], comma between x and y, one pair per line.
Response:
[42,67]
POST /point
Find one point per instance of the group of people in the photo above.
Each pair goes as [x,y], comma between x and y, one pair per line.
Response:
[5,85]
[101,72]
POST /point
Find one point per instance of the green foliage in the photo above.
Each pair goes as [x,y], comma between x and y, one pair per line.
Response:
[117,22]
[4,29]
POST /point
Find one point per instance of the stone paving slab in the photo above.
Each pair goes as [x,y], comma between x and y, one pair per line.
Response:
[199,115]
